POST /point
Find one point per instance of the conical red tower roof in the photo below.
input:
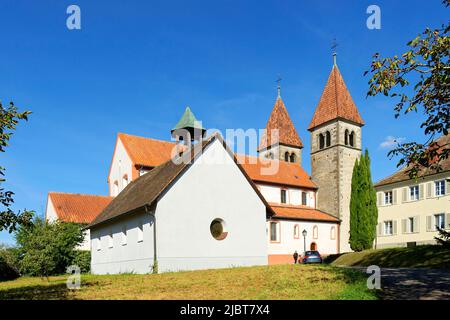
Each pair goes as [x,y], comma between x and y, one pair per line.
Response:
[279,119]
[335,102]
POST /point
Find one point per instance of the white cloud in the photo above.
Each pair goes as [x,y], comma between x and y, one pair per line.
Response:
[390,142]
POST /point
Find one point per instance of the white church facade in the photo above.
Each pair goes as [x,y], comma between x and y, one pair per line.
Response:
[160,216]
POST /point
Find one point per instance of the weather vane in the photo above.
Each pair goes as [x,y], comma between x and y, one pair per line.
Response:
[278,86]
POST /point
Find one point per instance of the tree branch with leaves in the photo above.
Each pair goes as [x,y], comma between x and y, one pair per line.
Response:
[420,81]
[9,119]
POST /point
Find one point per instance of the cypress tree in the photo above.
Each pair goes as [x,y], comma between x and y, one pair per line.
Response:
[363,209]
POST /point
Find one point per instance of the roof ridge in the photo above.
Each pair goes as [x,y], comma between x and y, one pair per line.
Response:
[142,137]
[79,194]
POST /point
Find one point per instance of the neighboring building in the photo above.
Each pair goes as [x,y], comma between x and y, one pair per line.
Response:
[77,208]
[409,210]
[336,142]
[201,215]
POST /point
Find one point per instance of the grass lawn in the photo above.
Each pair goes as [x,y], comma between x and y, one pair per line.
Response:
[416,257]
[264,282]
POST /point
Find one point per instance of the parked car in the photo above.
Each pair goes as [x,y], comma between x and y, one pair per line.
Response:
[312,257]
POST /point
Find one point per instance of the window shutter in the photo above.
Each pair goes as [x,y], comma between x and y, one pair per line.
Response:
[429,189]
[421,193]
[379,198]
[447,221]
[394,227]
[416,224]
[404,226]
[405,190]
[429,221]
[379,229]
[394,196]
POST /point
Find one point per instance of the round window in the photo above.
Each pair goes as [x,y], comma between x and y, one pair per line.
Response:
[218,229]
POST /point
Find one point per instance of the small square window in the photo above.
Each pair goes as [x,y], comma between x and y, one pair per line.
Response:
[274,231]
[414,193]
[140,232]
[110,239]
[439,220]
[124,235]
[283,196]
[388,197]
[388,228]
[439,188]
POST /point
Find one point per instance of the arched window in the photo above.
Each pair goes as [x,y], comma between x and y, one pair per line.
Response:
[115,188]
[293,157]
[321,141]
[286,156]
[328,135]
[352,139]
[124,181]
[313,246]
[333,233]
[346,137]
[269,155]
[296,231]
[315,232]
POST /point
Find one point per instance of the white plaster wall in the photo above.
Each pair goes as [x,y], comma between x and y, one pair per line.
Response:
[50,212]
[272,194]
[288,244]
[134,257]
[211,188]
[121,165]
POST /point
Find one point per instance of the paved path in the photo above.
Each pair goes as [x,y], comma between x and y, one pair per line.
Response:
[415,284]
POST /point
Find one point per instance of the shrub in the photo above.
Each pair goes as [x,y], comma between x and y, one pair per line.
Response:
[8,264]
[83,260]
[47,248]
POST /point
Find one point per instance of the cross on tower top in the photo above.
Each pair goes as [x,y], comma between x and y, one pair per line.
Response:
[278,85]
[334,45]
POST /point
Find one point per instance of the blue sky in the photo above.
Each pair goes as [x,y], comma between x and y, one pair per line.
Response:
[135,65]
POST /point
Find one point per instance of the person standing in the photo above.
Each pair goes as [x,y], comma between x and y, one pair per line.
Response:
[295,257]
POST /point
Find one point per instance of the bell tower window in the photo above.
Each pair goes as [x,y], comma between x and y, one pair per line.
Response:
[328,138]
[321,141]
[293,157]
[286,156]
[352,139]
[346,137]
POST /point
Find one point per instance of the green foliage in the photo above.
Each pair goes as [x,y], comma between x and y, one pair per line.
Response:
[82,259]
[8,264]
[443,238]
[47,248]
[427,65]
[363,207]
[9,118]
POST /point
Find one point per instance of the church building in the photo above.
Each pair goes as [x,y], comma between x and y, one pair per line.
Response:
[163,216]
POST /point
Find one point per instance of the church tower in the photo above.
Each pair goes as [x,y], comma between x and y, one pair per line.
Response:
[335,145]
[286,145]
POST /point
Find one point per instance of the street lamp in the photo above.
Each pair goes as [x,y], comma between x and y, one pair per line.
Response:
[304,233]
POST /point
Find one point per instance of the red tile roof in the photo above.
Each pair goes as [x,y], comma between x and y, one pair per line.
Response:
[279,119]
[288,173]
[301,213]
[79,208]
[335,102]
[145,151]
